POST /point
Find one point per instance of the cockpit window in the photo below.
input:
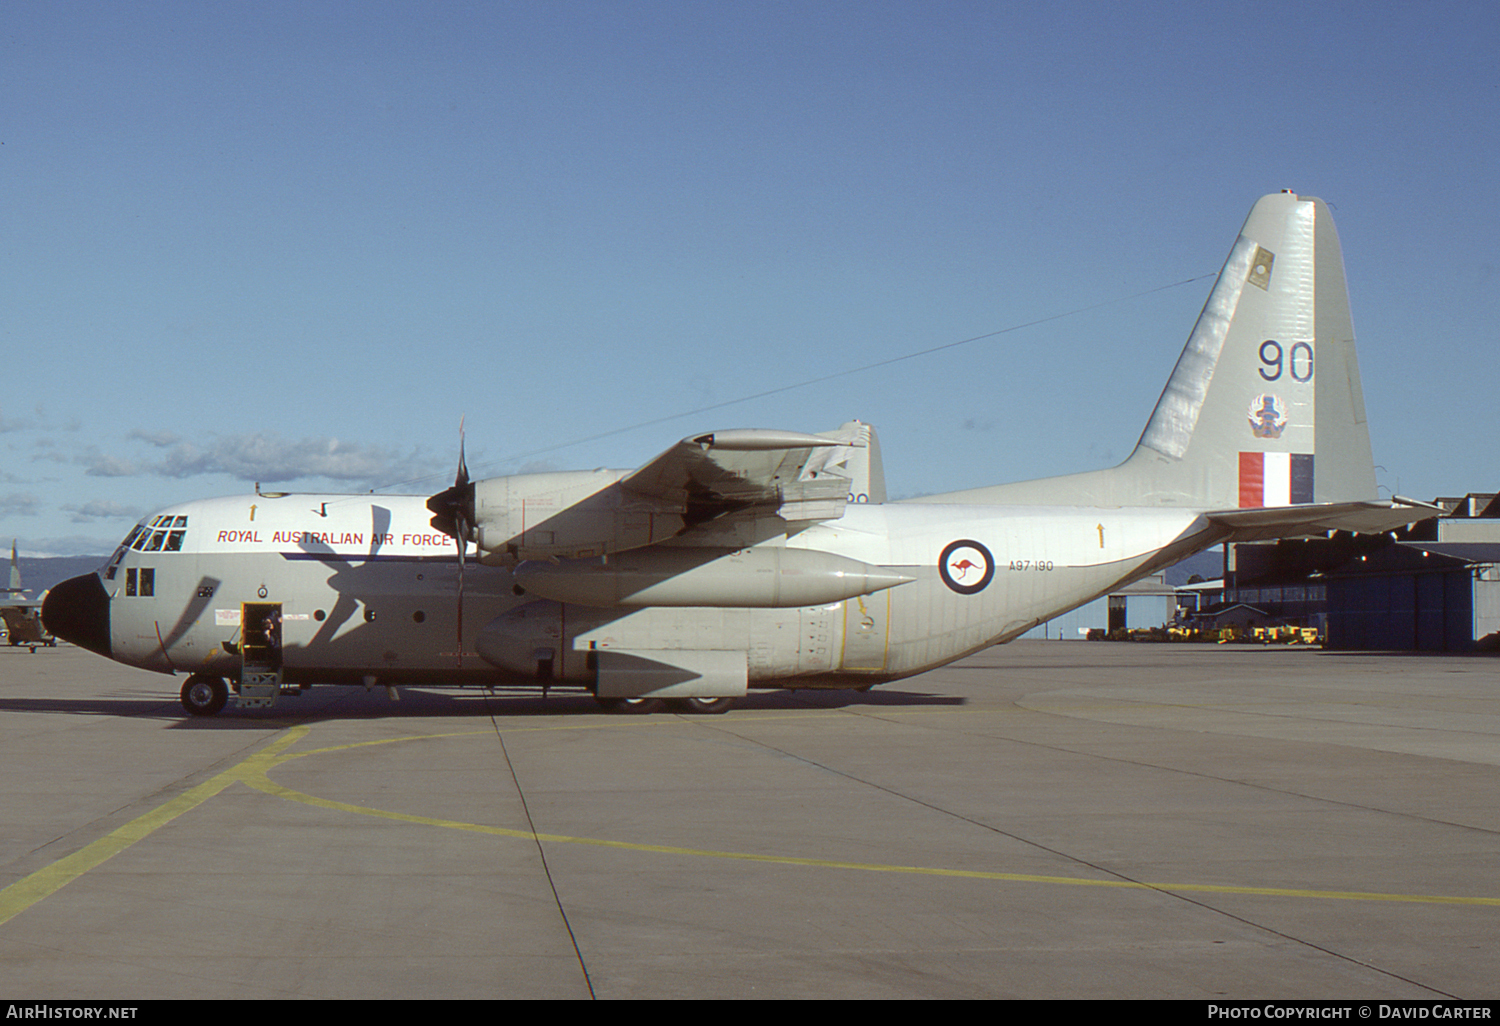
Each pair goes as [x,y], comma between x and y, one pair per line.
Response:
[165,534]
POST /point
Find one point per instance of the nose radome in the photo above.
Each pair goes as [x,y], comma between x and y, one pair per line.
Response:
[77,610]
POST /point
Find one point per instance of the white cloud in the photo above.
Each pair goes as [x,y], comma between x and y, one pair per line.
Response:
[160,439]
[100,465]
[39,422]
[103,509]
[22,504]
[264,457]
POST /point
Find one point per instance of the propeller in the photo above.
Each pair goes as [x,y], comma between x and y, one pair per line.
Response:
[454,509]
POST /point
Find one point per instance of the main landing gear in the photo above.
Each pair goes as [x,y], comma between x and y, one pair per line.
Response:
[710,706]
[642,706]
[203,695]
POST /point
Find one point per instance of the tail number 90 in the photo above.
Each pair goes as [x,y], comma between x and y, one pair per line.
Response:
[1298,361]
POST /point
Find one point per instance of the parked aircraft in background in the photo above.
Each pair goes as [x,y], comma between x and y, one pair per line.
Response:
[757,558]
[22,616]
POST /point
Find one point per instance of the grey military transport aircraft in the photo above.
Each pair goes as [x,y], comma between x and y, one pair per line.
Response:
[22,616]
[757,558]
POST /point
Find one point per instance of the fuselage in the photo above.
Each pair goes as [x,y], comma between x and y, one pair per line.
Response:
[731,560]
[365,588]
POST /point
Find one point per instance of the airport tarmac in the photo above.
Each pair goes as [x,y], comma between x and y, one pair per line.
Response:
[1040,820]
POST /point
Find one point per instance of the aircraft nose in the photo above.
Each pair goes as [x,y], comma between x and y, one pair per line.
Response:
[77,610]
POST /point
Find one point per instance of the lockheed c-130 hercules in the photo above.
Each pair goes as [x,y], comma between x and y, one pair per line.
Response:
[757,558]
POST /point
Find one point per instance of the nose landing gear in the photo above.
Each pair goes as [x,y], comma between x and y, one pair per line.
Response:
[203,695]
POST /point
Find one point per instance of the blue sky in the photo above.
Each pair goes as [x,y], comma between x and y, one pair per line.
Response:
[295,242]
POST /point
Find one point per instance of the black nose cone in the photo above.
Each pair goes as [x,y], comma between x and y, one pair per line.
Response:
[77,610]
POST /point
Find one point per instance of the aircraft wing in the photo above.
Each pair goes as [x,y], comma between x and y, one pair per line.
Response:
[767,477]
[788,473]
[1317,518]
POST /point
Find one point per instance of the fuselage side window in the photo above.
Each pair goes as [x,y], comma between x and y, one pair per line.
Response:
[148,582]
[130,579]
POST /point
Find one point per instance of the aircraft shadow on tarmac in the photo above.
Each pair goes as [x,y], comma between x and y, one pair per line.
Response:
[353,703]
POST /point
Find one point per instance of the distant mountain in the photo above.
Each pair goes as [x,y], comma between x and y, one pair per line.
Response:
[38,575]
[1207,565]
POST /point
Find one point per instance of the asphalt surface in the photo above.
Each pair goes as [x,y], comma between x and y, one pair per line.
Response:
[1042,820]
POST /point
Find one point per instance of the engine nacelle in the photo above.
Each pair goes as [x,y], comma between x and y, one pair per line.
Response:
[765,577]
[566,515]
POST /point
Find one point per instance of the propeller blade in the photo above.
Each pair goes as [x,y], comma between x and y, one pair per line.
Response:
[454,516]
[462,478]
[454,507]
[463,545]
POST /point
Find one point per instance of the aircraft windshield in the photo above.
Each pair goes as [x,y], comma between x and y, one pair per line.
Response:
[164,534]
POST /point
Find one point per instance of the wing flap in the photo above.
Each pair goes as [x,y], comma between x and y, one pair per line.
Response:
[727,471]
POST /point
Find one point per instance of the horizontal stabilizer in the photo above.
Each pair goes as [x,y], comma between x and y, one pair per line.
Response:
[1319,518]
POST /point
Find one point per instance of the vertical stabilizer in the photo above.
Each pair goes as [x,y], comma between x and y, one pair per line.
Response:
[15,569]
[858,460]
[1264,406]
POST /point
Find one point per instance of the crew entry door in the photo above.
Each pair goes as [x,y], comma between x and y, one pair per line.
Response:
[260,654]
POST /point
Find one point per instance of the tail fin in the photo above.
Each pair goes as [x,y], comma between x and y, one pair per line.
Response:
[858,460]
[1264,407]
[15,570]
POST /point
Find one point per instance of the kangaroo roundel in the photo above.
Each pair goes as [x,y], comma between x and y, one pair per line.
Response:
[966,566]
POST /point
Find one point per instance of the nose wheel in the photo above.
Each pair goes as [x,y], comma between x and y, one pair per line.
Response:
[203,695]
